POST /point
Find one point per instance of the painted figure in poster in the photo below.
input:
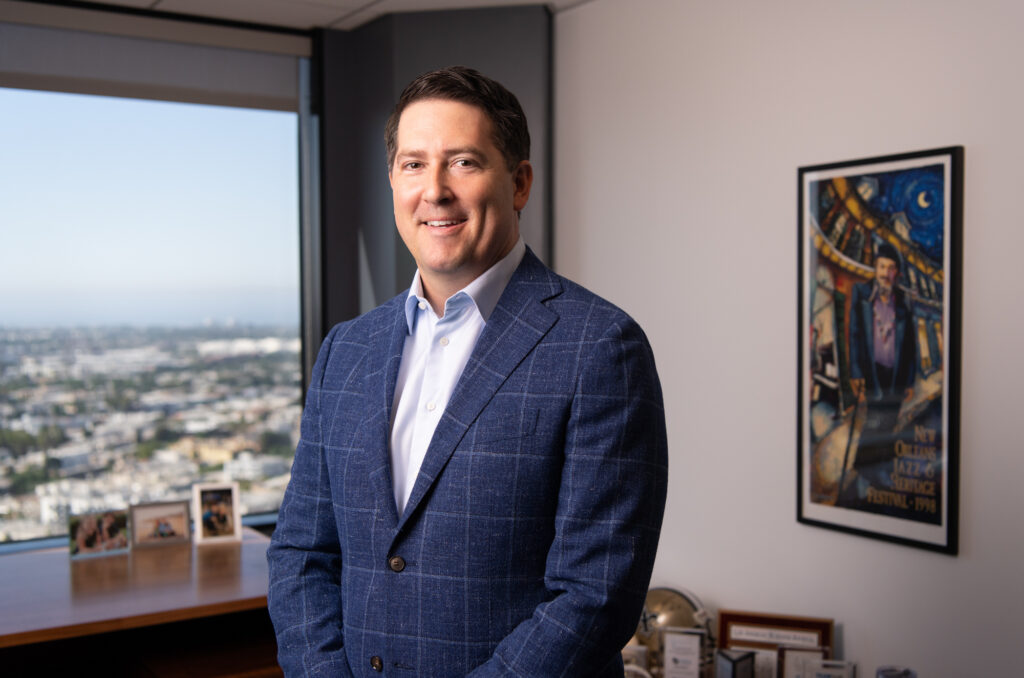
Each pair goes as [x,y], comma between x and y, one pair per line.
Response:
[883,365]
[876,343]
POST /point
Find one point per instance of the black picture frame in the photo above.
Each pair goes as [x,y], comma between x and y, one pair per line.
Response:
[879,322]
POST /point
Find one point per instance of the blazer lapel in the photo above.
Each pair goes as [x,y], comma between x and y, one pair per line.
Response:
[384,358]
[519,321]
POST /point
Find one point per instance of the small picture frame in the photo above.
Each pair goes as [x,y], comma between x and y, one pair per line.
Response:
[799,662]
[160,524]
[216,512]
[682,651]
[98,533]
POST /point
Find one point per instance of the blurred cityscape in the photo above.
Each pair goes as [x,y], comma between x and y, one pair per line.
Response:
[102,418]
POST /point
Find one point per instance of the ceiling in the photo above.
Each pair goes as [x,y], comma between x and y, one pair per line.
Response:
[306,14]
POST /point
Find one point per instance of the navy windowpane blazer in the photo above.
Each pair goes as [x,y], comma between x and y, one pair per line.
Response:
[527,545]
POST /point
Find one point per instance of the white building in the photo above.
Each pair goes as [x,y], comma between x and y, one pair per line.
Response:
[249,466]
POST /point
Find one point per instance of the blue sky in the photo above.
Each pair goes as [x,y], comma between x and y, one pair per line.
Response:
[143,212]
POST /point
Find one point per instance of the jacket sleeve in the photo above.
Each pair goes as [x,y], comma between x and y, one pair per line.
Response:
[304,555]
[610,506]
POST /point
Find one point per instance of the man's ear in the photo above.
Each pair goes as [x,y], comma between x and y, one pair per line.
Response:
[522,180]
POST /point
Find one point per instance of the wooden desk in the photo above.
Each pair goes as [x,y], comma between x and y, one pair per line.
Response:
[159,603]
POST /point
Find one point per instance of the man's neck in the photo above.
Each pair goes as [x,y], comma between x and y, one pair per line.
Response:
[437,289]
[437,293]
[484,288]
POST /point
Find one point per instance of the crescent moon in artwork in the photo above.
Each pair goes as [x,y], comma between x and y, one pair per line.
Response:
[922,200]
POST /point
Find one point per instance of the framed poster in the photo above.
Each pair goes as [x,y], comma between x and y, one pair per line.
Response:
[879,346]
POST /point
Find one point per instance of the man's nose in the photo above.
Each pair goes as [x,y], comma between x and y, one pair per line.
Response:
[437,189]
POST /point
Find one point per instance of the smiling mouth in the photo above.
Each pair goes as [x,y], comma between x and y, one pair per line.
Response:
[442,223]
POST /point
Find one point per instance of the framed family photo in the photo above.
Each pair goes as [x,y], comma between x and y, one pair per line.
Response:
[99,533]
[217,512]
[879,255]
[160,524]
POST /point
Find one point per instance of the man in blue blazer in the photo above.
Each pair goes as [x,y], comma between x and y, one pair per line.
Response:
[481,477]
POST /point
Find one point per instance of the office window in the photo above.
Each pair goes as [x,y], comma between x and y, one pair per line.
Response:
[149,304]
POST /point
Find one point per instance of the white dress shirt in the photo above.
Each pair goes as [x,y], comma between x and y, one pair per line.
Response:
[435,353]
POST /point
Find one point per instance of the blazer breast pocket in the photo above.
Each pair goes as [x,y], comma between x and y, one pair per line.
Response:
[511,428]
[503,425]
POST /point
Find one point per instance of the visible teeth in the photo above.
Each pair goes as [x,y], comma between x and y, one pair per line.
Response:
[442,223]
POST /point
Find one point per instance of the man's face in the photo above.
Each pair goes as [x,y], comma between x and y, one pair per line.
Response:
[455,199]
[886,272]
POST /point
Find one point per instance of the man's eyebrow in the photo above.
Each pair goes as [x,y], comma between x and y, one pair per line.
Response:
[409,153]
[462,150]
[448,152]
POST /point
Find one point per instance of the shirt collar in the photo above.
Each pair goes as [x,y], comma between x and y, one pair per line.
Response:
[484,291]
[876,293]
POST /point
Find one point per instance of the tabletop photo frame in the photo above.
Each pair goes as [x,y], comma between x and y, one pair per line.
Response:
[160,524]
[879,309]
[98,533]
[217,514]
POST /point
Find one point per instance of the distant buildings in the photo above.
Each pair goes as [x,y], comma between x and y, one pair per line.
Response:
[143,413]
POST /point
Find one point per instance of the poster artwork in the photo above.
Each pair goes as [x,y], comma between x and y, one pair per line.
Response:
[876,366]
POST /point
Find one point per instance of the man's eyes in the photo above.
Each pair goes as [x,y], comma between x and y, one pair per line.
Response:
[462,163]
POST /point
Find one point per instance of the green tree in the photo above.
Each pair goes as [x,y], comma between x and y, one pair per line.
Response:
[26,481]
[18,442]
[145,450]
[279,444]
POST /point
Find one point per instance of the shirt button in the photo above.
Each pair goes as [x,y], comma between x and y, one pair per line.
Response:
[431,406]
[376,663]
[396,563]
[444,341]
[422,305]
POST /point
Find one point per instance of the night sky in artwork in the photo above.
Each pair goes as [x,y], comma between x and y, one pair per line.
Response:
[918,193]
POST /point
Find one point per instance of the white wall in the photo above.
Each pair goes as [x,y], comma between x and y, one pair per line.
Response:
[679,127]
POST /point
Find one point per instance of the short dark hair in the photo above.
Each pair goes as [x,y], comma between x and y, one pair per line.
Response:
[459,83]
[889,252]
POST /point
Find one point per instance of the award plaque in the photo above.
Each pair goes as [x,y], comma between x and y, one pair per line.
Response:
[799,662]
[681,650]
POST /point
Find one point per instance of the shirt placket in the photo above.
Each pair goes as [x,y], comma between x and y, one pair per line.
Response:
[434,392]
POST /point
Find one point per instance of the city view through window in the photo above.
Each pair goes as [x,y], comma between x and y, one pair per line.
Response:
[149,305]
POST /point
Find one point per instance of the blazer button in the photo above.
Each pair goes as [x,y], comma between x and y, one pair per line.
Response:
[396,563]
[376,663]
